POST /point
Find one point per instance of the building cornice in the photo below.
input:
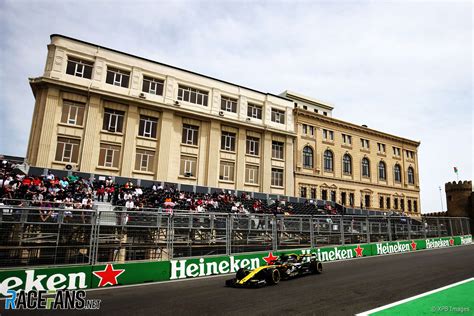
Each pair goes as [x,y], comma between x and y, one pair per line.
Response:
[298,97]
[351,126]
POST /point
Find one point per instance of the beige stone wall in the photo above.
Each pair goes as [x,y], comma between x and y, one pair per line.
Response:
[355,183]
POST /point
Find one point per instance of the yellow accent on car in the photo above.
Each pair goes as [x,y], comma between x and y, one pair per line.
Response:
[253,273]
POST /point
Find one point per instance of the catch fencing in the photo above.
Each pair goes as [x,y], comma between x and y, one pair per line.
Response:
[50,236]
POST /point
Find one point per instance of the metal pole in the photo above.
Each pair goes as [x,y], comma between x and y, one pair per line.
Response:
[462,228]
[311,232]
[409,227]
[439,227]
[441,199]
[368,228]
[389,228]
[341,227]
[451,232]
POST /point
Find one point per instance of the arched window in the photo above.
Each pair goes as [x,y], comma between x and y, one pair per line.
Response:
[347,164]
[382,171]
[365,167]
[328,160]
[411,175]
[307,157]
[397,173]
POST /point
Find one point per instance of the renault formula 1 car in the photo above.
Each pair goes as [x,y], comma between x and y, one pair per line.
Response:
[283,268]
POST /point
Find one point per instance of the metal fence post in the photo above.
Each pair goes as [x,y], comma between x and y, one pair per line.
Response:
[462,228]
[409,227]
[451,232]
[311,232]
[389,229]
[228,233]
[439,227]
[367,223]
[274,234]
[341,227]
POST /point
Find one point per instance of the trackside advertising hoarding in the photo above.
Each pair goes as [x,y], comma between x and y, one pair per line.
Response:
[112,274]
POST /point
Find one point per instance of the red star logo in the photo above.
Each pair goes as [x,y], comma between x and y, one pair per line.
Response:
[358,251]
[451,242]
[109,275]
[270,258]
[413,245]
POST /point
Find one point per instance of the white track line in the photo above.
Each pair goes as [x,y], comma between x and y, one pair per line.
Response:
[378,309]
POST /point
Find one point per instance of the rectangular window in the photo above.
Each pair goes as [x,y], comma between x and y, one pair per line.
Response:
[324,195]
[113,120]
[277,177]
[188,166]
[410,154]
[303,192]
[311,130]
[251,174]
[254,110]
[79,68]
[305,129]
[228,141]
[72,113]
[190,134]
[313,193]
[152,85]
[227,171]
[253,145]
[117,77]
[278,116]
[396,151]
[144,160]
[347,139]
[109,156]
[351,199]
[228,104]
[277,150]
[364,143]
[328,135]
[192,95]
[147,126]
[381,147]
[67,150]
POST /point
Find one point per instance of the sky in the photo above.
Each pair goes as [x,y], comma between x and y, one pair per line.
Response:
[402,67]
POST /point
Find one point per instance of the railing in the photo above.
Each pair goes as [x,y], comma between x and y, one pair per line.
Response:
[45,236]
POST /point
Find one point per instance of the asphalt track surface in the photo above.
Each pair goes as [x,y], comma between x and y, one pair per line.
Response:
[344,288]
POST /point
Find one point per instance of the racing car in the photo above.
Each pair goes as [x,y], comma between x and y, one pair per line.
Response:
[283,267]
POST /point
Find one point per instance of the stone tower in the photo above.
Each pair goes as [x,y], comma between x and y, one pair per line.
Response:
[459,199]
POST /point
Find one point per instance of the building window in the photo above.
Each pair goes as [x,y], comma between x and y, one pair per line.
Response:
[402,204]
[253,145]
[311,130]
[305,129]
[409,205]
[307,157]
[382,171]
[228,104]
[347,139]
[251,174]
[328,160]
[144,160]
[364,143]
[411,175]
[277,150]
[277,177]
[109,156]
[117,77]
[147,126]
[351,199]
[397,173]
[152,85]
[72,113]
[192,95]
[324,195]
[254,111]
[226,171]
[367,201]
[316,111]
[395,203]
[388,202]
[328,135]
[313,193]
[325,113]
[113,120]
[381,148]
[303,192]
[381,202]
[79,68]
[228,141]
[188,166]
[190,134]
[415,206]
[333,196]
[67,150]
[396,151]
[365,167]
[347,164]
[278,116]
[410,154]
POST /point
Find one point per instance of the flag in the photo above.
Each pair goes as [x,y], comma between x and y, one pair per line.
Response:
[455,170]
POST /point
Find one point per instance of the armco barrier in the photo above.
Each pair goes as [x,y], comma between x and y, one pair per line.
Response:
[84,277]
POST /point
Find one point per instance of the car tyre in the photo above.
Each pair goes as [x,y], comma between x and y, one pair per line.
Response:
[273,276]
[316,267]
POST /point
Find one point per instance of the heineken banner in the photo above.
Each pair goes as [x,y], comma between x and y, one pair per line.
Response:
[111,274]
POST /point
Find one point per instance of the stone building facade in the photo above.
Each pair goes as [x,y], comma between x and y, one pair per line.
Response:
[105,112]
